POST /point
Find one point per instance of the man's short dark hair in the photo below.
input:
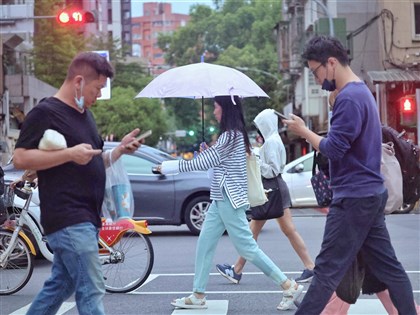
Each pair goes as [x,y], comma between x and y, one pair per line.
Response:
[321,47]
[91,65]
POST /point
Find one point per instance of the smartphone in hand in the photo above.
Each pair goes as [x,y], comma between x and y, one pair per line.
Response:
[144,135]
[280,115]
[140,137]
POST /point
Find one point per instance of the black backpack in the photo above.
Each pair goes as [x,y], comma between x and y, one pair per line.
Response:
[407,154]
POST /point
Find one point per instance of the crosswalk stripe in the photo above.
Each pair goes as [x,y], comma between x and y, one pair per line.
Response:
[66,306]
[207,292]
[219,292]
[367,307]
[244,273]
[149,279]
[214,307]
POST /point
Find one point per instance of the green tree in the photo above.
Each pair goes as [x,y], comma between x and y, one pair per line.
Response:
[238,34]
[187,115]
[130,74]
[122,113]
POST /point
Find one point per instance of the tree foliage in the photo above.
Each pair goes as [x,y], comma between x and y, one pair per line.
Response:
[238,34]
[130,74]
[122,113]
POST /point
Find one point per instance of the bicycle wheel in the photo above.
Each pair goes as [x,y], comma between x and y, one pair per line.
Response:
[131,264]
[18,269]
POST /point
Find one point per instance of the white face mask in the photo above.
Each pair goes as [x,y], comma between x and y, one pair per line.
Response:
[80,102]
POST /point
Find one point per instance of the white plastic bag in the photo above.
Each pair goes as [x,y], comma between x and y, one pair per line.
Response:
[391,171]
[118,199]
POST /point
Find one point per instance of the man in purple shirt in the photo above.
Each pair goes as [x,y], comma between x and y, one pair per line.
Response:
[355,222]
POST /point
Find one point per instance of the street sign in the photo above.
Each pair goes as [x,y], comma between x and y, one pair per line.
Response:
[106,91]
[180,133]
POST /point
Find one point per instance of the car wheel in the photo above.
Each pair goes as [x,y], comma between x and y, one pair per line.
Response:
[405,208]
[195,213]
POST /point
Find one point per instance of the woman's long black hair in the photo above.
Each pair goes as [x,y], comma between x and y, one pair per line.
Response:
[232,118]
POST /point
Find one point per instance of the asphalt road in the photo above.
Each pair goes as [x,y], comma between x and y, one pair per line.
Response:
[173,271]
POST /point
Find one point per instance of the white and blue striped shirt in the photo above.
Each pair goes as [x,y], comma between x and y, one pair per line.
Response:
[228,160]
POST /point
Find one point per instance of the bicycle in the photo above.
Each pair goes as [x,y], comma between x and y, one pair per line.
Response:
[125,249]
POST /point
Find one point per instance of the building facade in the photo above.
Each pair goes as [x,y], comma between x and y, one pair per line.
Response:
[19,89]
[383,41]
[157,18]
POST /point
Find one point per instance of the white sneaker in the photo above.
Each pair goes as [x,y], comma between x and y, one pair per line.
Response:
[290,296]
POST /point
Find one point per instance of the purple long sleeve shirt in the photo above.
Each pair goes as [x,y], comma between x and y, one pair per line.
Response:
[353,144]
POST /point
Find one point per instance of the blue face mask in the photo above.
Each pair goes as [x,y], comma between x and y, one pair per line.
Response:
[329,85]
[80,102]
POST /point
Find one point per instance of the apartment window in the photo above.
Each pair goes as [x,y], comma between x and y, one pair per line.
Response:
[416,20]
[136,50]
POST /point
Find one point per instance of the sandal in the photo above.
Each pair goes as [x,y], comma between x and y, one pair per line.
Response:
[190,302]
[290,296]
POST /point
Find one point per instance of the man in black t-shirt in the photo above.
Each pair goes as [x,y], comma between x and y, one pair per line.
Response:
[71,184]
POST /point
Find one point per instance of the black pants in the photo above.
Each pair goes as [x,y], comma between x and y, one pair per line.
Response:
[353,225]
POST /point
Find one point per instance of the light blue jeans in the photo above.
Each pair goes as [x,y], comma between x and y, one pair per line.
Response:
[76,268]
[220,216]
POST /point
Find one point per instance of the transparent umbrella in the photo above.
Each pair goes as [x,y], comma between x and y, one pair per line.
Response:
[201,80]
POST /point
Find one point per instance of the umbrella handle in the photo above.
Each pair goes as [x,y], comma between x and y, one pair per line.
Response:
[202,118]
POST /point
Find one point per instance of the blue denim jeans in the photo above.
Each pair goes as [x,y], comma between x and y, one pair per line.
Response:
[76,269]
[220,216]
[353,225]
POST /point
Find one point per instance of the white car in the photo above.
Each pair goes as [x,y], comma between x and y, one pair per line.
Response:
[297,175]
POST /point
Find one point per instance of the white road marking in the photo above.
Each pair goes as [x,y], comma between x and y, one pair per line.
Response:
[216,273]
[149,279]
[214,307]
[245,273]
[367,307]
[208,292]
[219,307]
[63,309]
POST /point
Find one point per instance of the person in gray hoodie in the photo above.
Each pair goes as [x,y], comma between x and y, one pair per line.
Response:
[272,161]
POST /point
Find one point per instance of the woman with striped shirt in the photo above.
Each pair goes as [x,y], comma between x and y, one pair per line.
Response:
[228,192]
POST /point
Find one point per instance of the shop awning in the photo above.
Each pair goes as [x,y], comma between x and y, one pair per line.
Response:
[394,76]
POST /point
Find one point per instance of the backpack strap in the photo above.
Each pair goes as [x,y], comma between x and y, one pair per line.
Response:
[314,163]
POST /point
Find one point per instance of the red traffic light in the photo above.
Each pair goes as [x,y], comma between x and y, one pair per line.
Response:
[408,110]
[407,104]
[75,16]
